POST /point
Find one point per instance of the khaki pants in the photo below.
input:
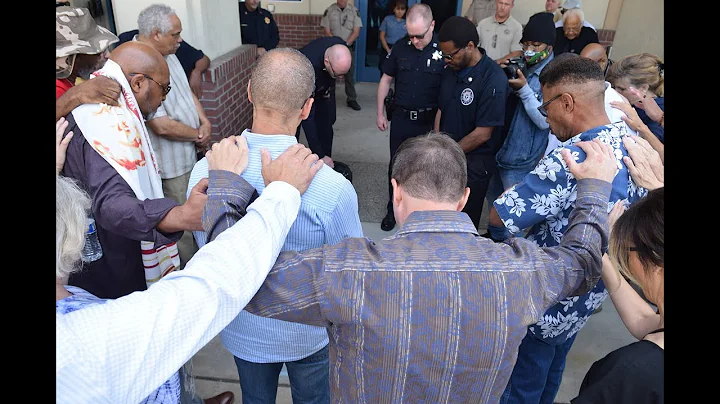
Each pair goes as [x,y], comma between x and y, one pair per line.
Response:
[175,189]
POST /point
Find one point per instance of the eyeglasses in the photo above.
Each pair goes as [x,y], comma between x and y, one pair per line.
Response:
[421,36]
[331,71]
[632,249]
[494,41]
[451,55]
[165,90]
[534,47]
[544,105]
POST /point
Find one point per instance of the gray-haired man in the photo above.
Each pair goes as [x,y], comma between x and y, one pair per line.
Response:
[404,313]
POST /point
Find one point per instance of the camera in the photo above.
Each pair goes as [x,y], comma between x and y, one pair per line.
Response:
[513,65]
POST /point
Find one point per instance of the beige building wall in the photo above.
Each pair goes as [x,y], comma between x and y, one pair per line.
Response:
[594,10]
[210,25]
[641,28]
[302,7]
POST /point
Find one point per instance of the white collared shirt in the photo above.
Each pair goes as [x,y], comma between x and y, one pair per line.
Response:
[120,351]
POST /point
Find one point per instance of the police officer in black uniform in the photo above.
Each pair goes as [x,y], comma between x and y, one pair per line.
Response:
[472,101]
[417,65]
[329,62]
[257,26]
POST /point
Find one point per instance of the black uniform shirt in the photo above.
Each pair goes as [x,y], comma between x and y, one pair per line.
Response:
[477,99]
[315,51]
[417,73]
[258,27]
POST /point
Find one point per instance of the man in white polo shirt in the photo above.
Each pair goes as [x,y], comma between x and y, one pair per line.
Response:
[179,128]
[500,34]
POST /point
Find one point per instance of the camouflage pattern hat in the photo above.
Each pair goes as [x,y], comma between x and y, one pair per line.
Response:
[76,32]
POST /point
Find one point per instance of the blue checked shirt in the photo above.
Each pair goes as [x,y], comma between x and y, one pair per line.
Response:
[544,201]
[432,314]
[328,214]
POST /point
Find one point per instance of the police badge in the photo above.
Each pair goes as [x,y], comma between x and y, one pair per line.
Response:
[467,96]
[267,20]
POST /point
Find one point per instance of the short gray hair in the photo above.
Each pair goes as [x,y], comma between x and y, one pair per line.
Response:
[576,12]
[155,16]
[282,80]
[71,209]
[431,167]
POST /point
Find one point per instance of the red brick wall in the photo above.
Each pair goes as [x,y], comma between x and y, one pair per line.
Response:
[297,30]
[606,37]
[224,95]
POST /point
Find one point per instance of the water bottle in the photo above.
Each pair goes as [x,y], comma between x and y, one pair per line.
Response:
[92,250]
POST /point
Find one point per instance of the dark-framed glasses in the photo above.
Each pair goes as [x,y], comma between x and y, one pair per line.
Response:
[543,106]
[451,55]
[165,90]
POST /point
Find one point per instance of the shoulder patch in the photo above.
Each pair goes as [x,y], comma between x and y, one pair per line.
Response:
[325,13]
[357,12]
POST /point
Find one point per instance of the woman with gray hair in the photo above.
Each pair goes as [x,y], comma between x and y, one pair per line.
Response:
[71,207]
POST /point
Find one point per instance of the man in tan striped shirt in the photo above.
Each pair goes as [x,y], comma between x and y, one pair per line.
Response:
[180,127]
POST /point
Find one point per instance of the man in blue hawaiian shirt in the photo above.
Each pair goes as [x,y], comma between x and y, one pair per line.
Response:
[573,89]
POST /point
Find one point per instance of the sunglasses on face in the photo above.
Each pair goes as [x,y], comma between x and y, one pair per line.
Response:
[421,36]
[543,106]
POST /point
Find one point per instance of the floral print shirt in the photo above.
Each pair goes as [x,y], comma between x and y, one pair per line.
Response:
[543,202]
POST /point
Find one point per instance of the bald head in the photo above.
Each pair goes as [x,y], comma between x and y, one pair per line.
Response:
[419,12]
[134,56]
[339,58]
[593,51]
[596,52]
[282,80]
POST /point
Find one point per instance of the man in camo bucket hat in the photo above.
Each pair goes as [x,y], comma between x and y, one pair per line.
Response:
[78,34]
[81,48]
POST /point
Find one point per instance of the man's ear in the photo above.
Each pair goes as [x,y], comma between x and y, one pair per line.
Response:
[156,35]
[463,200]
[248,92]
[305,112]
[397,192]
[136,83]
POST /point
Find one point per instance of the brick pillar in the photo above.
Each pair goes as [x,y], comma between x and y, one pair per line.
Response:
[224,95]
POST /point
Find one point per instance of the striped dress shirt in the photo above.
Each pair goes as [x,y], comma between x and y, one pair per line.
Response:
[124,349]
[176,157]
[328,214]
[435,313]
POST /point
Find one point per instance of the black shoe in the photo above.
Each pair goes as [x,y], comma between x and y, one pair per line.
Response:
[354,105]
[388,223]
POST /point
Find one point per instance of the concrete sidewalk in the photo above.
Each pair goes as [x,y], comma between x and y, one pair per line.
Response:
[365,149]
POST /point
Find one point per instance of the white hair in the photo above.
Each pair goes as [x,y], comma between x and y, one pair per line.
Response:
[155,16]
[574,11]
[71,207]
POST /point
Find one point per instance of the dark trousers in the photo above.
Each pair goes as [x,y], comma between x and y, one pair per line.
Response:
[350,80]
[480,168]
[401,129]
[318,125]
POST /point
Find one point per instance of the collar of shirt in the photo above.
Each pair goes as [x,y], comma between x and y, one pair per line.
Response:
[464,75]
[438,221]
[275,144]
